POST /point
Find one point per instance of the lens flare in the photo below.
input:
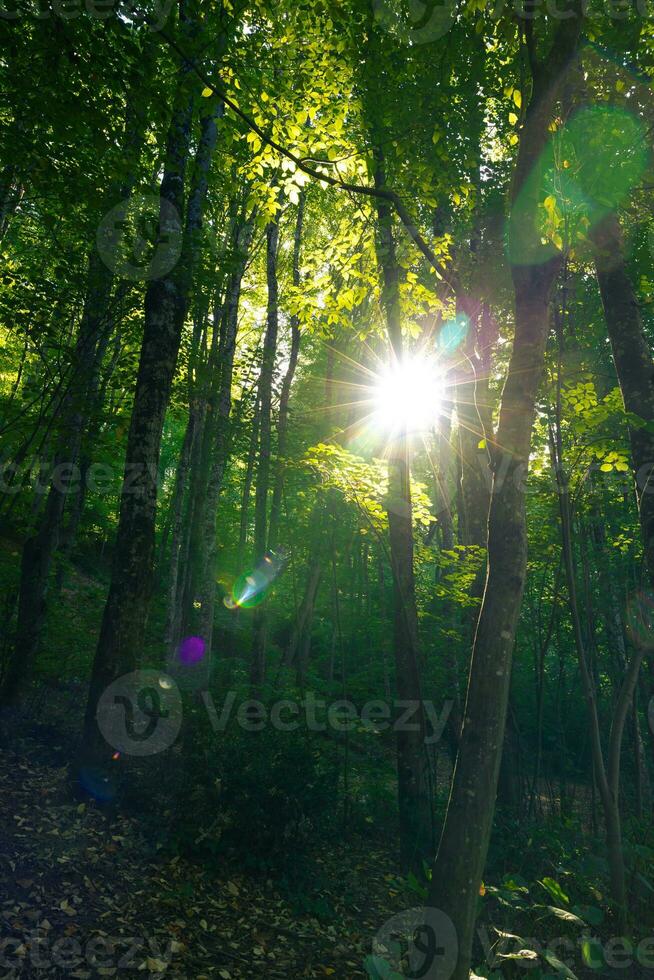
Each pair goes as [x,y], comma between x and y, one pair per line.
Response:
[407,395]
[191,650]
[588,168]
[251,588]
[97,783]
[453,333]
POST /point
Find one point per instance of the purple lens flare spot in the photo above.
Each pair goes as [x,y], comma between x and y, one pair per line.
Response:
[192,649]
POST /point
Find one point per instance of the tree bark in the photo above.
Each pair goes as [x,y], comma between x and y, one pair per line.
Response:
[300,643]
[459,865]
[219,436]
[125,614]
[634,366]
[284,398]
[244,522]
[607,773]
[413,762]
[258,666]
[76,409]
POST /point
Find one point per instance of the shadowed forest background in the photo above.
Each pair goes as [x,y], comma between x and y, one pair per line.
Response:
[327,489]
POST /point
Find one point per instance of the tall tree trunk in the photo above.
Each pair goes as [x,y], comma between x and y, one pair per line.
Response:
[459,865]
[76,410]
[616,635]
[444,492]
[258,667]
[607,773]
[219,436]
[634,366]
[300,642]
[244,521]
[284,398]
[11,194]
[177,544]
[413,761]
[126,610]
[473,414]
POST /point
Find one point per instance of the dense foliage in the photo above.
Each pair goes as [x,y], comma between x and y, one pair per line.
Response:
[292,297]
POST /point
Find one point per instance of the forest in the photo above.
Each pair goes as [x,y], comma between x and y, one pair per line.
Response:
[327,489]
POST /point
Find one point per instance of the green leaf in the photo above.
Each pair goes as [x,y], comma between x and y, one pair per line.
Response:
[559,966]
[565,915]
[555,890]
[550,204]
[592,953]
[522,954]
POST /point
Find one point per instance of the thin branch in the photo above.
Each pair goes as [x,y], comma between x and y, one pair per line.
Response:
[384,193]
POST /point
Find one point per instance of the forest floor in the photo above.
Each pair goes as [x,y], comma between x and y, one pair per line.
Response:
[85,894]
[87,890]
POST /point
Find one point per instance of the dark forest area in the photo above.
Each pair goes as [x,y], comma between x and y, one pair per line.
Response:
[327,489]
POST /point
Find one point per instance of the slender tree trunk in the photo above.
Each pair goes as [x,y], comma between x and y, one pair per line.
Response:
[219,433]
[124,620]
[284,398]
[616,635]
[173,611]
[444,493]
[459,865]
[39,550]
[300,642]
[11,194]
[413,762]
[258,668]
[76,410]
[634,366]
[607,773]
[244,523]
[473,414]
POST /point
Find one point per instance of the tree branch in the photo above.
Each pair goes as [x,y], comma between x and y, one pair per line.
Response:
[385,193]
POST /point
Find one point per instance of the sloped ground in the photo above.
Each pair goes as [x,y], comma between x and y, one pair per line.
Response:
[85,895]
